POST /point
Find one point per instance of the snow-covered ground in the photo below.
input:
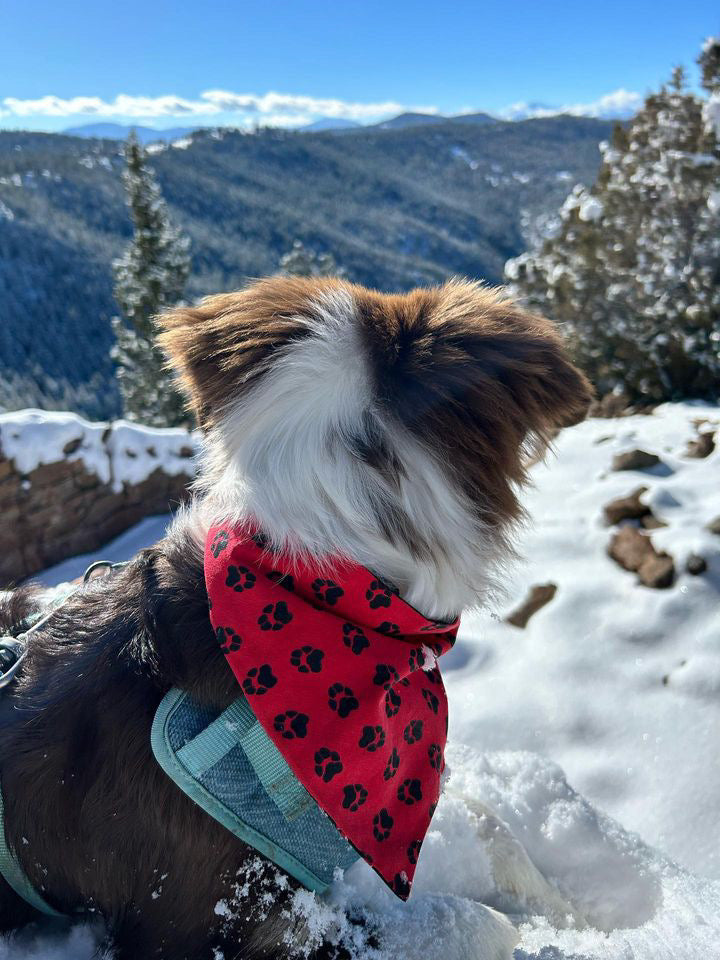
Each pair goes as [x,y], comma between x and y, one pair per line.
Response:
[584,800]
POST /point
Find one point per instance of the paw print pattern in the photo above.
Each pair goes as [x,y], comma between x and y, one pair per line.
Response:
[392,765]
[416,660]
[413,731]
[307,659]
[385,676]
[327,764]
[392,702]
[283,580]
[229,641]
[275,616]
[354,638]
[342,699]
[354,796]
[409,792]
[378,595]
[431,700]
[382,825]
[433,676]
[389,629]
[259,680]
[372,738]
[401,885]
[291,724]
[262,541]
[240,578]
[220,542]
[413,851]
[327,591]
[435,756]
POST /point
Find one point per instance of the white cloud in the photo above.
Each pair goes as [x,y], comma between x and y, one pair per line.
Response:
[619,104]
[292,108]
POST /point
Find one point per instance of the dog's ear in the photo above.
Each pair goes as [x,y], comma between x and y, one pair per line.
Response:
[468,350]
[221,347]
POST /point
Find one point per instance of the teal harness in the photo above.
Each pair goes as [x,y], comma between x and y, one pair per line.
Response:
[226,763]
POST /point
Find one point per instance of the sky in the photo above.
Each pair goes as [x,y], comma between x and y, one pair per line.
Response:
[239,63]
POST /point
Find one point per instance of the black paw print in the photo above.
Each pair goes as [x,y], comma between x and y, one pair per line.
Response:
[385,676]
[354,638]
[392,702]
[433,675]
[416,660]
[413,731]
[327,764]
[280,614]
[372,738]
[413,851]
[354,796]
[240,578]
[389,629]
[327,591]
[259,680]
[435,756]
[291,724]
[401,885]
[262,541]
[409,792]
[431,700]
[378,595]
[220,542]
[342,699]
[391,768]
[307,659]
[229,640]
[382,825]
[283,580]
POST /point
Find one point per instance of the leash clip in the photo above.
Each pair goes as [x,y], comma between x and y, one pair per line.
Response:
[12,654]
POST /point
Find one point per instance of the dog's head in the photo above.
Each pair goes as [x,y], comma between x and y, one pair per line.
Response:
[392,428]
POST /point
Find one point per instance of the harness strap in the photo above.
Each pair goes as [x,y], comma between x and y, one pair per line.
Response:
[15,876]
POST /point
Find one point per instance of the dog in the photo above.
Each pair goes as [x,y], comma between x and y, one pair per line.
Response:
[393,430]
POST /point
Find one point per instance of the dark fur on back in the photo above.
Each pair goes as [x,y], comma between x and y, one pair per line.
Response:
[94,820]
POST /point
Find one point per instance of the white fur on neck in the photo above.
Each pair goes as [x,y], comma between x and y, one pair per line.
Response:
[279,456]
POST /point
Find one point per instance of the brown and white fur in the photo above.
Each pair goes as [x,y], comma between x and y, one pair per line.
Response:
[394,430]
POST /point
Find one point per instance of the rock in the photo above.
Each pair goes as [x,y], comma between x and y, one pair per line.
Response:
[629,548]
[657,571]
[714,526]
[626,508]
[635,460]
[539,596]
[651,522]
[695,564]
[702,446]
[634,551]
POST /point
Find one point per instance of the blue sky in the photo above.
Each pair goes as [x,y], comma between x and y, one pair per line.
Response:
[168,64]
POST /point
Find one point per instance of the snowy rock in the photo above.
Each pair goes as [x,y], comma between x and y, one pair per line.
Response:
[630,507]
[538,597]
[695,564]
[635,460]
[714,526]
[634,551]
[702,446]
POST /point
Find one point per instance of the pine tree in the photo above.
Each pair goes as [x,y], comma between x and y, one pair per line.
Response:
[632,267]
[149,277]
[300,261]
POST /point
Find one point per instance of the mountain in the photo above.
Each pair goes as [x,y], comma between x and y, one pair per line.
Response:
[329,123]
[116,131]
[475,118]
[396,207]
[405,120]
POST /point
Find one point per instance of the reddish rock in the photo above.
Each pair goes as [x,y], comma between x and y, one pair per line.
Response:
[634,551]
[539,596]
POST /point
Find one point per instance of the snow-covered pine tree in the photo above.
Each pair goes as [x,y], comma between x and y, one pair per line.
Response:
[149,277]
[632,267]
[300,261]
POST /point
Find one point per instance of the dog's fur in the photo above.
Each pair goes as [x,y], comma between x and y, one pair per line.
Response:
[393,430]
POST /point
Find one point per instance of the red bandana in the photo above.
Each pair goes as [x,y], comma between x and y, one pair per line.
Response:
[341,674]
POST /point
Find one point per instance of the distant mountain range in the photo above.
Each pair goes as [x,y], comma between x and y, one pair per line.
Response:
[118,131]
[413,202]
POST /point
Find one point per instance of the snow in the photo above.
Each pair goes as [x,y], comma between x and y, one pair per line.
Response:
[579,821]
[117,453]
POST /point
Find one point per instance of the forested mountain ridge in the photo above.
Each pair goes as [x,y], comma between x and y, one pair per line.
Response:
[396,207]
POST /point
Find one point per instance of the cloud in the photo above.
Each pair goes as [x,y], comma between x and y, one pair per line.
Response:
[620,104]
[293,108]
